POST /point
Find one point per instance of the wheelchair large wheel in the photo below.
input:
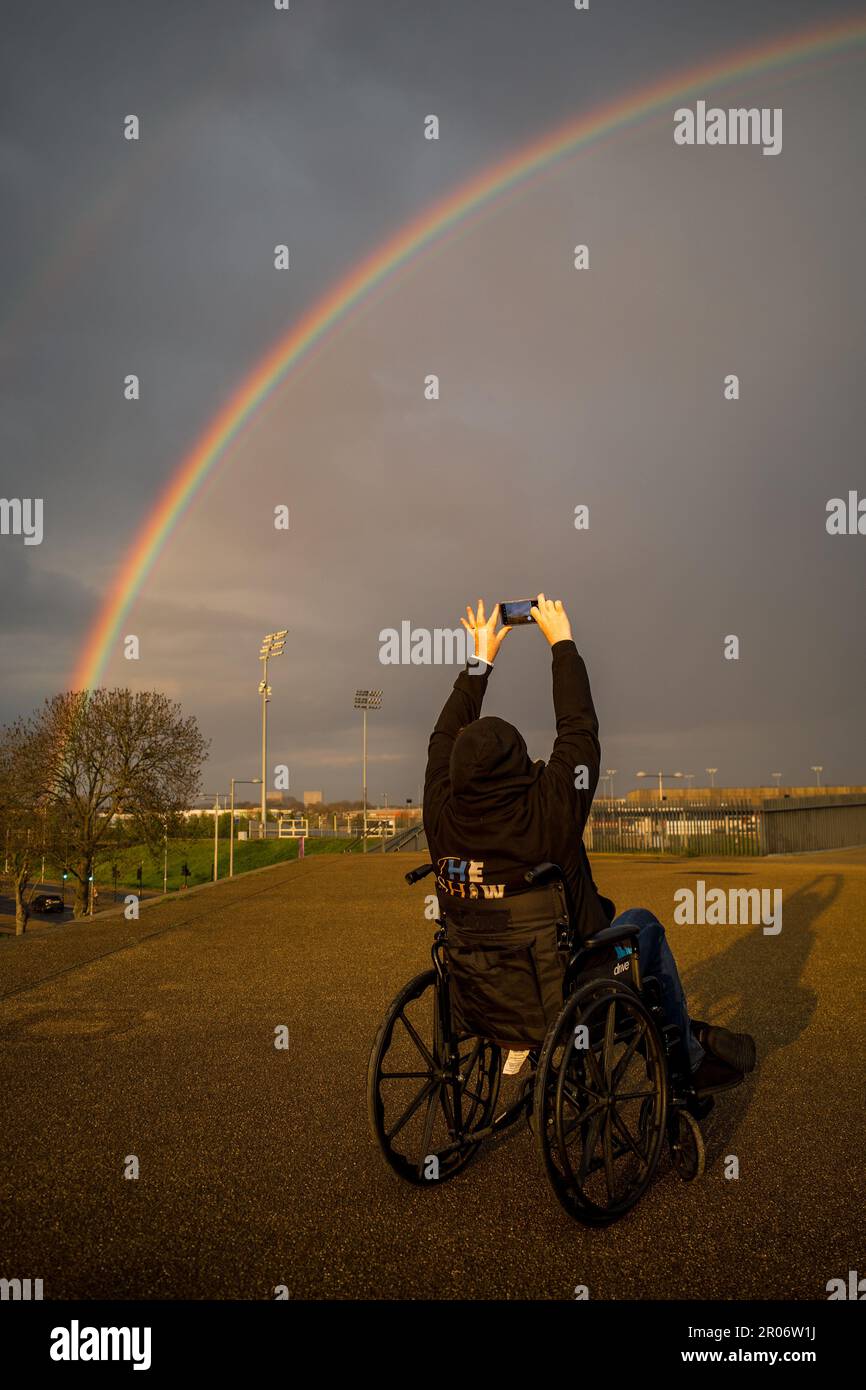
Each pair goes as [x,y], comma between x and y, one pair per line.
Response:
[428,1094]
[601,1098]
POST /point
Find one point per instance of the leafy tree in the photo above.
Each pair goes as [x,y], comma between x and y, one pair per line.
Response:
[107,768]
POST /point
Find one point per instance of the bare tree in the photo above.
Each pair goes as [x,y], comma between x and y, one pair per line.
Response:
[113,767]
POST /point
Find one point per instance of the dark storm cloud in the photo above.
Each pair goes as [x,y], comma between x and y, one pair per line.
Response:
[305,127]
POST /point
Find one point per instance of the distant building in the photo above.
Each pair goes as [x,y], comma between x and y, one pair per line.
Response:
[405,813]
[312,798]
[717,796]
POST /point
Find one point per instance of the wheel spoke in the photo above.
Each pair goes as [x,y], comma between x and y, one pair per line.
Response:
[579,1082]
[589,1147]
[413,1033]
[427,1136]
[447,1100]
[408,1113]
[609,1040]
[628,1054]
[472,1096]
[607,1149]
[402,1075]
[574,1102]
[592,1065]
[582,1119]
[624,1131]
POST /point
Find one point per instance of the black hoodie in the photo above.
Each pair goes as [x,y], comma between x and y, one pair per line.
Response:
[490,813]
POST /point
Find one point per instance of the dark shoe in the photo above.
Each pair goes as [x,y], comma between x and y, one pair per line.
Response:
[714,1075]
[737,1049]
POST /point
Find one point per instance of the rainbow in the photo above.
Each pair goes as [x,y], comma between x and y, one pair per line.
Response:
[398,252]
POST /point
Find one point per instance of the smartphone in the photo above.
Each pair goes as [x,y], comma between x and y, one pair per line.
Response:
[516,613]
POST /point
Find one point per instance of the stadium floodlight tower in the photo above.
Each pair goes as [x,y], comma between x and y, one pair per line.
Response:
[817,768]
[711,773]
[366,700]
[274,644]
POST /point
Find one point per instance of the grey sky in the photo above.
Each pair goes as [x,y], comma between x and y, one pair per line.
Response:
[558,388]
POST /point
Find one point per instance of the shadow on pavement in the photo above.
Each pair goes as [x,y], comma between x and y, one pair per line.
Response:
[752,988]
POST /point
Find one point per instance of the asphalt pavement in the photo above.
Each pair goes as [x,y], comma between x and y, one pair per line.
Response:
[155,1040]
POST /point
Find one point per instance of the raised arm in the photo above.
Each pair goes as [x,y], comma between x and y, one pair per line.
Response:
[574,765]
[462,707]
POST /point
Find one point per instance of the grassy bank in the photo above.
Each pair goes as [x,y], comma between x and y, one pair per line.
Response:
[198,856]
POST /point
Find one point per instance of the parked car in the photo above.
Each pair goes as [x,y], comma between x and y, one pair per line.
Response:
[47,902]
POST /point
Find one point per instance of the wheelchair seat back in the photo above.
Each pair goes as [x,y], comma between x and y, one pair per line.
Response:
[512,961]
[507,961]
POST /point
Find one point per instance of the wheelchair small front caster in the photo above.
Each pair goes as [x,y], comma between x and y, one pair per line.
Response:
[688,1155]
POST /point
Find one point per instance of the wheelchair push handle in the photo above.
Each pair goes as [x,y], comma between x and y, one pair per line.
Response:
[421,872]
[543,873]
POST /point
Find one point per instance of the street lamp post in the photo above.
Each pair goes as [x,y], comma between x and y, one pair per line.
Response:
[216,830]
[777,777]
[711,773]
[660,776]
[610,773]
[273,644]
[366,700]
[236,781]
[818,769]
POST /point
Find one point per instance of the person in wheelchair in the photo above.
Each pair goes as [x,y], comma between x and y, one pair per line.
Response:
[491,814]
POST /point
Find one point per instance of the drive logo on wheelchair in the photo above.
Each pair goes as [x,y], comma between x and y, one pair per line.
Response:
[623,964]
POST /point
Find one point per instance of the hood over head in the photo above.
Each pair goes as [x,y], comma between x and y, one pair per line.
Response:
[490,765]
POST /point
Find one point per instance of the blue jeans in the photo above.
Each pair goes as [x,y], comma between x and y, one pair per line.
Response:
[656,958]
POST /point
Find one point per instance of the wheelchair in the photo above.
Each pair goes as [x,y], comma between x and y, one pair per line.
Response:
[608,1081]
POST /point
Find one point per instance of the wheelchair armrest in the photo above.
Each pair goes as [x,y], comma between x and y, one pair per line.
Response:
[610,935]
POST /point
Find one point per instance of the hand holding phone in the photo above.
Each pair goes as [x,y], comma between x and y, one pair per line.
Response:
[552,619]
[483,630]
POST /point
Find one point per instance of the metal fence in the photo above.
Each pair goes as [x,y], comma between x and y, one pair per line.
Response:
[785,825]
[789,825]
[683,829]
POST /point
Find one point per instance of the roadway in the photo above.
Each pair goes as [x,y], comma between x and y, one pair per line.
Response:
[155,1038]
